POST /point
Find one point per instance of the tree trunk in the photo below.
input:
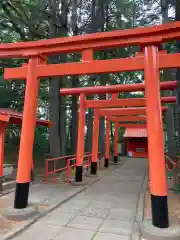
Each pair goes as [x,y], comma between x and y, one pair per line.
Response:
[92,29]
[57,110]
[54,137]
[62,123]
[74,124]
[103,77]
[75,83]
[164,10]
[167,73]
[102,131]
[63,32]
[54,133]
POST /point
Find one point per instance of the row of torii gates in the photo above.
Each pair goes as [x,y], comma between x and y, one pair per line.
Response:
[150,59]
[120,111]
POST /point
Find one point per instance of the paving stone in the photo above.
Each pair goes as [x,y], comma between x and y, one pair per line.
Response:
[73,206]
[84,222]
[124,177]
[122,215]
[106,198]
[125,203]
[110,236]
[127,189]
[100,204]
[39,231]
[84,197]
[126,196]
[95,212]
[71,233]
[57,218]
[129,206]
[118,227]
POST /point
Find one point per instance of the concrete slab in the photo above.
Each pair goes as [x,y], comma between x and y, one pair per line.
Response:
[122,215]
[124,177]
[117,227]
[57,218]
[73,206]
[71,233]
[95,212]
[84,222]
[115,199]
[110,236]
[39,231]
[99,204]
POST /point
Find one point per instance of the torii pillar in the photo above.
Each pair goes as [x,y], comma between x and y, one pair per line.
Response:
[80,140]
[107,145]
[116,143]
[95,144]
[157,172]
[27,135]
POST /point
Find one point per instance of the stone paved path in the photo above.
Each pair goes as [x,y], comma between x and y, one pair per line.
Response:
[104,211]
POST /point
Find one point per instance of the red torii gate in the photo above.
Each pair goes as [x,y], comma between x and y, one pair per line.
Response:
[150,61]
[117,113]
[96,104]
[114,102]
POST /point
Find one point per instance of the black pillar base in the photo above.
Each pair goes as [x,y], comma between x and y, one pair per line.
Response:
[21,195]
[159,211]
[93,168]
[106,162]
[115,159]
[79,171]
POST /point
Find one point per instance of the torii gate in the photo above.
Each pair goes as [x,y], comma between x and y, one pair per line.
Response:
[114,102]
[118,113]
[96,104]
[150,60]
